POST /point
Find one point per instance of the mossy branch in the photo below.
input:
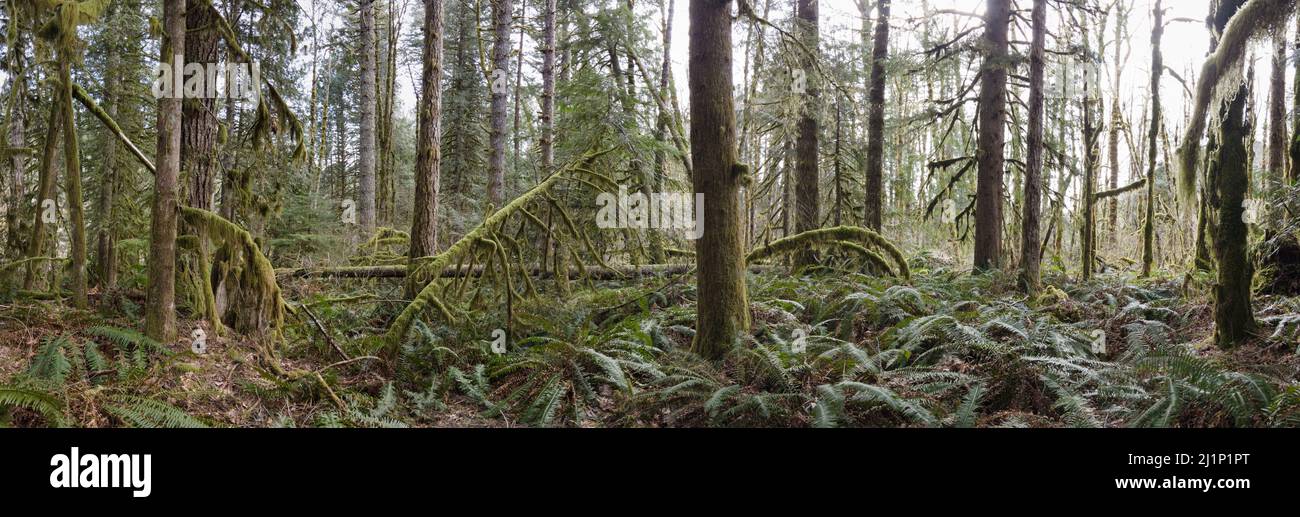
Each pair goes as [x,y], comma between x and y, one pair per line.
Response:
[434,265]
[1219,78]
[98,112]
[831,237]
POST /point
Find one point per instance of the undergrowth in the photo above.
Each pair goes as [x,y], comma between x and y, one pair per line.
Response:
[828,349]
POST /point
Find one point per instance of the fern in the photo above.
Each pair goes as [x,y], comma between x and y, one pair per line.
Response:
[137,411]
[41,402]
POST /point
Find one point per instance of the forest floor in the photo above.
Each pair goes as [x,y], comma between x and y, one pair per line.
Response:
[835,347]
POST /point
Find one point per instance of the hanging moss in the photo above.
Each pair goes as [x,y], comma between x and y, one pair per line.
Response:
[258,306]
[1221,76]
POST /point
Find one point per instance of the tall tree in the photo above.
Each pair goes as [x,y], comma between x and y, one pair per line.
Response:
[1234,317]
[876,119]
[1277,144]
[424,228]
[1091,139]
[1153,133]
[1294,170]
[992,136]
[160,309]
[1032,218]
[502,16]
[1116,118]
[807,191]
[366,190]
[722,313]
[72,184]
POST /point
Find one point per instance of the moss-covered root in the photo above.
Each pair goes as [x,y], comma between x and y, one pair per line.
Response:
[836,236]
[262,308]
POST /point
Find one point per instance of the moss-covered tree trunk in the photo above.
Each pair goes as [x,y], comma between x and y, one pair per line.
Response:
[160,309]
[722,308]
[1030,258]
[199,155]
[1277,142]
[546,121]
[72,186]
[1116,122]
[366,160]
[992,136]
[424,228]
[45,191]
[807,184]
[16,137]
[1153,133]
[876,119]
[105,237]
[1234,317]
[1294,170]
[1091,139]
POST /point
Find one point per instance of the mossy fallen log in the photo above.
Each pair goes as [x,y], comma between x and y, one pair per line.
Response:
[399,271]
[432,267]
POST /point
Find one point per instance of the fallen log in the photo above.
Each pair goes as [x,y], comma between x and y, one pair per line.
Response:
[399,271]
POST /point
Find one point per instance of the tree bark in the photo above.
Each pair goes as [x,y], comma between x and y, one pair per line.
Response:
[722,313]
[1153,133]
[1294,169]
[876,120]
[1277,142]
[366,189]
[1091,138]
[1030,258]
[502,15]
[160,309]
[807,185]
[45,191]
[105,238]
[1234,318]
[424,228]
[198,119]
[72,186]
[992,137]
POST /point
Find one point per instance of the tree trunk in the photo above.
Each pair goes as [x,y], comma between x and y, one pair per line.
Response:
[72,186]
[17,137]
[424,229]
[198,119]
[1116,124]
[45,191]
[160,309]
[366,190]
[1091,137]
[1153,134]
[807,189]
[1294,173]
[1234,318]
[502,15]
[992,135]
[105,239]
[547,116]
[722,313]
[1030,258]
[876,120]
[1277,143]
